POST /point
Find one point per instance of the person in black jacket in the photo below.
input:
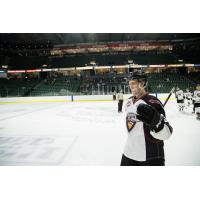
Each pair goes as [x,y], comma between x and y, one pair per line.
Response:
[147,126]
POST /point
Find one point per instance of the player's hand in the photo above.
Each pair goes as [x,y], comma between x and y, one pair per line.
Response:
[149,115]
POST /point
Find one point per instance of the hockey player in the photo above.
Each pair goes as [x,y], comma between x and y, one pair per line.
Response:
[196,99]
[120,100]
[114,95]
[180,99]
[188,97]
[147,127]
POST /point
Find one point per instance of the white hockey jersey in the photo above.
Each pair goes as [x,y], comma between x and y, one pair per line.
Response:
[196,96]
[180,95]
[120,96]
[188,95]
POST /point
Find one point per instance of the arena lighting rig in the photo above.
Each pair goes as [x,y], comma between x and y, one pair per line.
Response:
[98,67]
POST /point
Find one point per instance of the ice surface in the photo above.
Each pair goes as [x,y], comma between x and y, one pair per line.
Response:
[84,133]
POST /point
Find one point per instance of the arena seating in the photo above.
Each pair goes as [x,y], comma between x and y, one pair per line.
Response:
[157,83]
[194,76]
[16,87]
[164,82]
[92,85]
[58,86]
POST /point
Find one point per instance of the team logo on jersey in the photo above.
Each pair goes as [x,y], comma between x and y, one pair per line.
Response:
[130,121]
[128,104]
[154,101]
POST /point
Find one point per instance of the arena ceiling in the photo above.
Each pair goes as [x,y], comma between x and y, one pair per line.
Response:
[74,38]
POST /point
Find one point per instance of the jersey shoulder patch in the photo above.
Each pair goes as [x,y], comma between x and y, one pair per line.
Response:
[130,97]
[152,100]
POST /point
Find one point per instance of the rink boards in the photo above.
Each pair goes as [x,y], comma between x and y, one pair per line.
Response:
[82,98]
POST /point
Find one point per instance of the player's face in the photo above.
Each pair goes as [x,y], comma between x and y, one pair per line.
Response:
[135,87]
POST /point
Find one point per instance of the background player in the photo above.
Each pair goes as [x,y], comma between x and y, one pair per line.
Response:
[120,100]
[188,98]
[196,99]
[180,99]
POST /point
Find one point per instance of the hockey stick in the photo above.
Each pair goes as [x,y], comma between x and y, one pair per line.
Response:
[170,94]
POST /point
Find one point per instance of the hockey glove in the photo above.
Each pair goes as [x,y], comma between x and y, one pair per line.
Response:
[150,116]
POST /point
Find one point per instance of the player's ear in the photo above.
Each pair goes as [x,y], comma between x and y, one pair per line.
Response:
[141,83]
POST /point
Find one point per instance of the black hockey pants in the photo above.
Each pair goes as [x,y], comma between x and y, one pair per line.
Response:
[120,103]
[129,162]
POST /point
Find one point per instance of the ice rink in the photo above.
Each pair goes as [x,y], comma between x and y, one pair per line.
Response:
[84,133]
